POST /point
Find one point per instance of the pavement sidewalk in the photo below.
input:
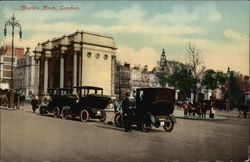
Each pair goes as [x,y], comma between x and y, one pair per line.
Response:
[220,115]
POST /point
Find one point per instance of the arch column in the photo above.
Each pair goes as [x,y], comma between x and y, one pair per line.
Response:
[45,82]
[46,71]
[76,51]
[62,71]
[74,70]
[37,64]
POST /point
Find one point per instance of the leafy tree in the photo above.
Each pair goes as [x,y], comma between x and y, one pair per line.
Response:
[234,93]
[176,74]
[180,78]
[221,77]
[162,77]
[209,80]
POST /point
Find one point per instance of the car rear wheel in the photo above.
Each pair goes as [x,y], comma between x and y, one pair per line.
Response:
[168,125]
[84,115]
[56,112]
[65,113]
[41,110]
[118,120]
[103,118]
[5,101]
[157,124]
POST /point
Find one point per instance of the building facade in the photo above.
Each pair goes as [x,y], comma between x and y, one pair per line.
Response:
[5,62]
[24,75]
[122,79]
[136,77]
[78,59]
[153,80]
[144,77]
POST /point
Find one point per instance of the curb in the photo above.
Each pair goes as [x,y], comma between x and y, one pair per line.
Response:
[206,119]
[6,108]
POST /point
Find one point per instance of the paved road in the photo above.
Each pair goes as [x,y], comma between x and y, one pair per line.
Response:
[27,136]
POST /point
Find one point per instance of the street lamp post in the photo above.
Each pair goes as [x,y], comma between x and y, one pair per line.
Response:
[228,83]
[13,23]
[163,64]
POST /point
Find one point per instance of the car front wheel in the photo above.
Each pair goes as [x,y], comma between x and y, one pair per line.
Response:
[103,118]
[84,115]
[41,110]
[168,125]
[65,113]
[118,120]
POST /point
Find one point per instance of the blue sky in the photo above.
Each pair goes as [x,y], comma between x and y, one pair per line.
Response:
[141,29]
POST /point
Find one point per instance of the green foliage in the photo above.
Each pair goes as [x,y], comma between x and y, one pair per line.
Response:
[209,80]
[180,78]
[212,80]
[235,94]
[162,78]
[221,77]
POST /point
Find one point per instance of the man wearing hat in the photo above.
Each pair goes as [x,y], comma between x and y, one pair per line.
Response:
[127,113]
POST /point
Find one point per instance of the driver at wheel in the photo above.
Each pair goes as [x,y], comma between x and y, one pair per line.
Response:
[127,113]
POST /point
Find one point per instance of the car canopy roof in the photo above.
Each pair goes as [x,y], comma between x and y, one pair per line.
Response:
[89,87]
[152,94]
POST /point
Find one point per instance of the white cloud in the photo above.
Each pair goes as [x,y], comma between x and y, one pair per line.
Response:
[144,56]
[216,55]
[180,15]
[66,28]
[232,35]
[133,14]
[208,11]
[235,56]
[30,42]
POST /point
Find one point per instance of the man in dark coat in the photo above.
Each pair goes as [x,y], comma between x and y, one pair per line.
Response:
[127,113]
[34,104]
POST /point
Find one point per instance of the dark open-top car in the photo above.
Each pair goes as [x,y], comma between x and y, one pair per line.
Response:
[153,106]
[90,104]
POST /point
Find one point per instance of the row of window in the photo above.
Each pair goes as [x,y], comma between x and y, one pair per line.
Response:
[97,56]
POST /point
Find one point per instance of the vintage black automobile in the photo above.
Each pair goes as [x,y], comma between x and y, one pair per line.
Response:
[153,106]
[90,104]
[58,98]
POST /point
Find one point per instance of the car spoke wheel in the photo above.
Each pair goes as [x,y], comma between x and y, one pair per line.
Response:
[146,127]
[168,125]
[5,101]
[65,113]
[157,124]
[103,118]
[41,110]
[84,115]
[56,112]
[118,120]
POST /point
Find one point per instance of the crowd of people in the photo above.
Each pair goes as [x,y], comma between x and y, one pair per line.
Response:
[200,108]
[9,97]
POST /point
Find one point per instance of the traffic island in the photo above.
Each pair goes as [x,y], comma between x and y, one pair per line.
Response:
[197,117]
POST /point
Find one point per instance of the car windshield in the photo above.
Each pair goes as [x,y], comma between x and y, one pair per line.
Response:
[87,91]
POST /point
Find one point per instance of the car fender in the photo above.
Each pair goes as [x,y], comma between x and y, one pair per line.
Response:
[152,118]
[172,117]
